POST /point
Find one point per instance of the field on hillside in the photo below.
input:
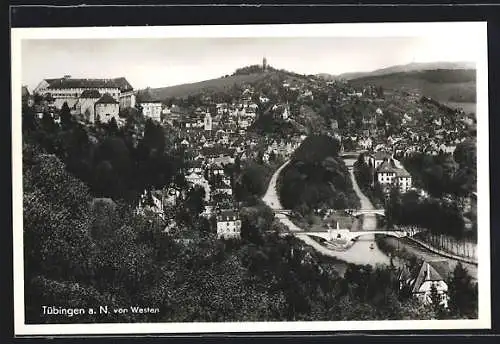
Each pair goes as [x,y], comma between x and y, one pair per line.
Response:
[467,107]
[217,85]
[455,86]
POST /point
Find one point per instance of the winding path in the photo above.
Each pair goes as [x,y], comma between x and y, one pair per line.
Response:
[351,255]
[361,252]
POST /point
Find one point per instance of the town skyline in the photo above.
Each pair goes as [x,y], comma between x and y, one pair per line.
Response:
[175,61]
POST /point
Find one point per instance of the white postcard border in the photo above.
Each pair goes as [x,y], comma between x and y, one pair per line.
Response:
[478,29]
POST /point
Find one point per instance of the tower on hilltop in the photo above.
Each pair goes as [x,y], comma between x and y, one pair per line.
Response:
[264,64]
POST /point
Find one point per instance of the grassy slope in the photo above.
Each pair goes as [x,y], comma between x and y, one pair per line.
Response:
[447,86]
[217,85]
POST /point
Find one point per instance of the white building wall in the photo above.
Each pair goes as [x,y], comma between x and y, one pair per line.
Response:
[106,112]
[385,178]
[152,110]
[229,229]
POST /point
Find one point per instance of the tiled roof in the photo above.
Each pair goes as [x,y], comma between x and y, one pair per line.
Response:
[121,83]
[401,172]
[228,215]
[387,167]
[90,94]
[106,99]
[431,271]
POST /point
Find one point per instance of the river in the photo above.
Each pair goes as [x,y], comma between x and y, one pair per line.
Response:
[364,250]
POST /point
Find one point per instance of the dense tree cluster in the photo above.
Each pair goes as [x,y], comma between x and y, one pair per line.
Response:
[442,174]
[439,216]
[316,178]
[82,252]
[114,162]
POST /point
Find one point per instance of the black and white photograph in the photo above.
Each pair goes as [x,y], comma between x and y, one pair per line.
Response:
[262,178]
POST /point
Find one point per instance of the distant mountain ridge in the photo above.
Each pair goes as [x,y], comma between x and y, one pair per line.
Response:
[410,67]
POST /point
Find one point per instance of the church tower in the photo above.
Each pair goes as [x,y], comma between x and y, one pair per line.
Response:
[208,122]
[264,64]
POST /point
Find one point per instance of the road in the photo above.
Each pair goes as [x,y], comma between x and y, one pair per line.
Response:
[271,196]
[369,220]
[361,252]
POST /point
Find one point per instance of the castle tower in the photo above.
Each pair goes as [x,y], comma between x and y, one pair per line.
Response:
[264,64]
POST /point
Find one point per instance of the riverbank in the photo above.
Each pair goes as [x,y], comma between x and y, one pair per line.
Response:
[407,248]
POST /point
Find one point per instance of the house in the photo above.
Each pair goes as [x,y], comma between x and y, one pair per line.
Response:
[403,180]
[27,98]
[151,201]
[107,108]
[378,158]
[151,107]
[419,282]
[69,90]
[365,143]
[388,174]
[228,224]
[87,102]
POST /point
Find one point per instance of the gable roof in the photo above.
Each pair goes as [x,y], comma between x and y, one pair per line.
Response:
[401,172]
[106,99]
[431,271]
[25,92]
[387,167]
[121,83]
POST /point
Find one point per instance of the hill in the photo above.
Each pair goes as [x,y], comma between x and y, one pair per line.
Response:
[410,67]
[222,84]
[450,86]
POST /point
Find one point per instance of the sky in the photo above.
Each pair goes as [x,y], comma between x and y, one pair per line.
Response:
[159,62]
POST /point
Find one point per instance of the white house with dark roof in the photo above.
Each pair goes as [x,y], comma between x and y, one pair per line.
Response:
[86,104]
[228,224]
[107,108]
[388,174]
[420,282]
[151,107]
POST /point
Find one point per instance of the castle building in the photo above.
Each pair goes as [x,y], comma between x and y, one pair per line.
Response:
[69,90]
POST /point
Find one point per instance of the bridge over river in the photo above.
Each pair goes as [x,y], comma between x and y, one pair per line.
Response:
[363,250]
[347,235]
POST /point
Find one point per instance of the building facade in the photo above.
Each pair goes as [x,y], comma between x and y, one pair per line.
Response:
[387,174]
[228,224]
[69,90]
[107,108]
[86,104]
[152,109]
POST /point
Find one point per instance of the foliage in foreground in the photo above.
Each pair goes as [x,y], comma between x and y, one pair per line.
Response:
[83,253]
